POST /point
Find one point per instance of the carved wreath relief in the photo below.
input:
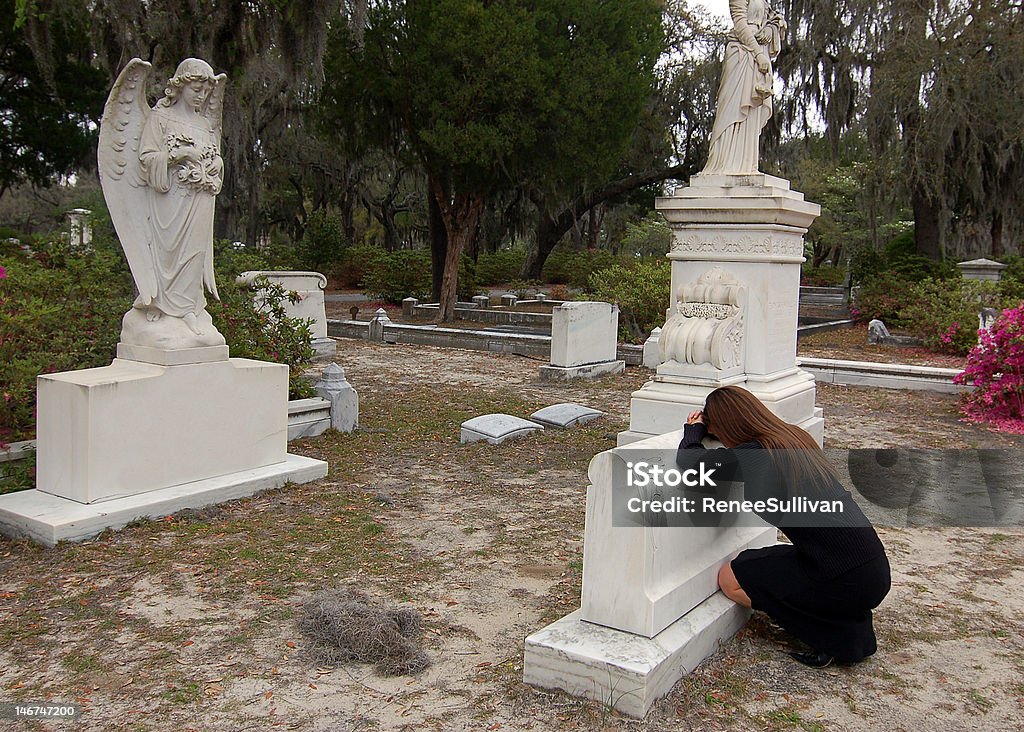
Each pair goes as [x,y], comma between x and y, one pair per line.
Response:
[706,326]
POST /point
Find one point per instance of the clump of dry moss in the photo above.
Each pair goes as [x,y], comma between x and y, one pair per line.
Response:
[346,625]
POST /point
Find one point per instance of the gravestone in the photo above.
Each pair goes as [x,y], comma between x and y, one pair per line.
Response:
[877,332]
[652,353]
[81,229]
[496,428]
[986,318]
[565,415]
[651,608]
[309,286]
[334,387]
[984,270]
[584,340]
[378,322]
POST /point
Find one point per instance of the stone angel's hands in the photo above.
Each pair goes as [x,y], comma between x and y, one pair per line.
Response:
[764,64]
[185,153]
[696,417]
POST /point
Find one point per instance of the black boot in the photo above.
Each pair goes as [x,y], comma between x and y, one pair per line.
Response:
[812,659]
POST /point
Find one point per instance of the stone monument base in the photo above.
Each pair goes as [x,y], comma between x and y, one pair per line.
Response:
[48,519]
[625,671]
[137,439]
[589,371]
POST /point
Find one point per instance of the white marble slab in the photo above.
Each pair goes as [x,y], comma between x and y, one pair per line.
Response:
[625,671]
[583,333]
[565,415]
[496,428]
[133,427]
[48,519]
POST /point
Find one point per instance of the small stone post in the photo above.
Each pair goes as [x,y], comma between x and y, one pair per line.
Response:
[334,387]
[377,323]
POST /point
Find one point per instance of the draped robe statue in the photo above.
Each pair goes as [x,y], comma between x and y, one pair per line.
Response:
[745,91]
[161,171]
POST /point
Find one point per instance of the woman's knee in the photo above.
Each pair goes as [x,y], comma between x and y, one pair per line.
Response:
[730,586]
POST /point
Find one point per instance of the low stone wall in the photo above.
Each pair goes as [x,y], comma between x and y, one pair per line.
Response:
[883,375]
[495,315]
[522,344]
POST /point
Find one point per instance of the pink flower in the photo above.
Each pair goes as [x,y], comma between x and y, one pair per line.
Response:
[3,273]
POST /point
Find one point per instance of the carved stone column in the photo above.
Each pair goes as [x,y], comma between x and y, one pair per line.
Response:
[736,255]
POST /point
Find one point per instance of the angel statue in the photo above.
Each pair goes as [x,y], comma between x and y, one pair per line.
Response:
[745,92]
[161,171]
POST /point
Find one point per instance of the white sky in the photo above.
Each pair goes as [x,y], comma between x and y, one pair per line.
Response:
[719,8]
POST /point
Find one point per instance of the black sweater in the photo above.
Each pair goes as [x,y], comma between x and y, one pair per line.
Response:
[831,545]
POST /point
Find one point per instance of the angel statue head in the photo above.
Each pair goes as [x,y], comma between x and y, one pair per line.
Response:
[161,171]
[193,81]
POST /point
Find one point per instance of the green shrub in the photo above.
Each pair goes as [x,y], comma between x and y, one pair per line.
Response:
[60,310]
[407,273]
[230,260]
[323,243]
[355,262]
[650,236]
[642,293]
[574,268]
[398,275]
[901,260]
[944,313]
[254,323]
[822,276]
[885,297]
[500,267]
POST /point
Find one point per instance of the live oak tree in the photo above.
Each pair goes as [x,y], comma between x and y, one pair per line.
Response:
[937,85]
[492,96]
[271,50]
[49,111]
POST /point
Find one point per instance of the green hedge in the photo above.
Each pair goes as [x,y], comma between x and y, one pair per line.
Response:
[394,276]
[642,293]
[61,310]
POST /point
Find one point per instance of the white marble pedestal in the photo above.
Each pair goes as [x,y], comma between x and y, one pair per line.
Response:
[651,609]
[137,439]
[749,229]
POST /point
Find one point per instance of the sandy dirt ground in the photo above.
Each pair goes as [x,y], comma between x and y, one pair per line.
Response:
[188,623]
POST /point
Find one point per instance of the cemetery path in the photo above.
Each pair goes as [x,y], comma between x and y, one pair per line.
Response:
[188,623]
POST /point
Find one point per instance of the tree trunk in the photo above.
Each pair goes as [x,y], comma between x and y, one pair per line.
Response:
[553,225]
[927,227]
[438,246]
[545,240]
[252,228]
[997,234]
[461,214]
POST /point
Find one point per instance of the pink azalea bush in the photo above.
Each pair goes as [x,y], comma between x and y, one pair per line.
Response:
[995,367]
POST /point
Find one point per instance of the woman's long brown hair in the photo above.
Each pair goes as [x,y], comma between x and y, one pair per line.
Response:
[736,416]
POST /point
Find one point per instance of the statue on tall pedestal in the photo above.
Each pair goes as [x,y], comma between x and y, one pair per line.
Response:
[161,171]
[745,92]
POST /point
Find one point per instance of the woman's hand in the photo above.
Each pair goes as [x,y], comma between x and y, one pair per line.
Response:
[695,417]
[764,64]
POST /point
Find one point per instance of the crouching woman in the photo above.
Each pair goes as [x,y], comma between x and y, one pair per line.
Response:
[823,586]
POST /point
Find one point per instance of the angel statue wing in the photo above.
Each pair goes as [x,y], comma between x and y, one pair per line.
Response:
[124,188]
[215,105]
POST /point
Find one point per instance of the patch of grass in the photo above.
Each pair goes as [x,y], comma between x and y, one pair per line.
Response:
[185,692]
[789,717]
[81,663]
[980,701]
